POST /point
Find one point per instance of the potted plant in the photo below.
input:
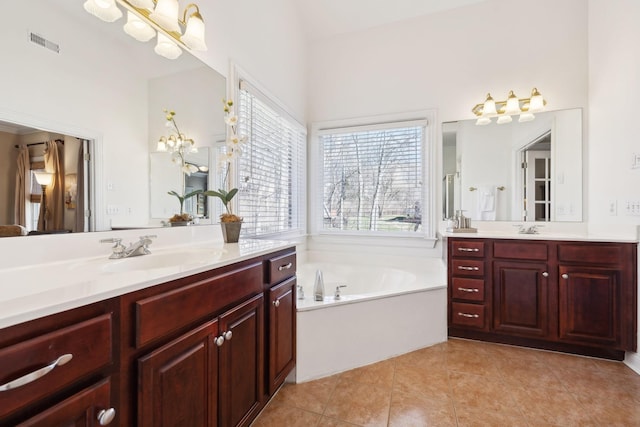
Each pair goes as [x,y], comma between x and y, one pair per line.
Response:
[182,218]
[229,222]
[179,145]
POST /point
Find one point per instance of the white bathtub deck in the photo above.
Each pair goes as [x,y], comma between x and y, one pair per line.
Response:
[335,336]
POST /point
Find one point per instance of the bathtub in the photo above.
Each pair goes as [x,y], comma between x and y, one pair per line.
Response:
[382,312]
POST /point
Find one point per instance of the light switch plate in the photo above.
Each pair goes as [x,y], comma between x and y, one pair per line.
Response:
[635,164]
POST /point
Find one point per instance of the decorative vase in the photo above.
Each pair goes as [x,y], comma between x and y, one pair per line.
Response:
[231,231]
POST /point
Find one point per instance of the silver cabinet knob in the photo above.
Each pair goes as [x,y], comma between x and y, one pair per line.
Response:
[228,335]
[545,274]
[219,341]
[565,276]
[276,303]
[105,416]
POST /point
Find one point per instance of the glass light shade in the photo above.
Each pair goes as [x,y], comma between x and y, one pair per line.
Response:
[489,108]
[513,104]
[162,146]
[194,33]
[43,178]
[483,121]
[167,48]
[537,102]
[526,117]
[138,29]
[504,119]
[103,9]
[166,15]
[142,4]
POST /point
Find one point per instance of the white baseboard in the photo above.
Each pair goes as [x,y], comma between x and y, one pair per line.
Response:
[632,360]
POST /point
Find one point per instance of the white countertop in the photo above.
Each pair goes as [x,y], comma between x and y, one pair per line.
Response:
[32,291]
[543,236]
[579,232]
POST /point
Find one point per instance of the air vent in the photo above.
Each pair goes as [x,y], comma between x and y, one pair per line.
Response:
[39,40]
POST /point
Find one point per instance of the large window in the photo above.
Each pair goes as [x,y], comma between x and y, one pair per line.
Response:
[372,179]
[271,168]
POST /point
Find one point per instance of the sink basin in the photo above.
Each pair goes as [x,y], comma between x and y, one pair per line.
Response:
[161,260]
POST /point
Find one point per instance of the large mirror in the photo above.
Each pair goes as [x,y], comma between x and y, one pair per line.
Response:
[529,171]
[72,77]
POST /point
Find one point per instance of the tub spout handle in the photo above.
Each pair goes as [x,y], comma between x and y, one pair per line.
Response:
[337,294]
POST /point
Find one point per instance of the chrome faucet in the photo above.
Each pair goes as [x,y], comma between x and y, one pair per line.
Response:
[533,229]
[337,294]
[141,247]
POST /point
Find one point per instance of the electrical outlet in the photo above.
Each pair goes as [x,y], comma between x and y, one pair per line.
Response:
[613,208]
[632,207]
[113,210]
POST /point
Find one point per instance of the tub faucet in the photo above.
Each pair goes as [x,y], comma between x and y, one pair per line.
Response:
[533,229]
[337,294]
[141,247]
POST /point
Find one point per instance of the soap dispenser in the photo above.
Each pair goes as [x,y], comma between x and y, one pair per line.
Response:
[318,288]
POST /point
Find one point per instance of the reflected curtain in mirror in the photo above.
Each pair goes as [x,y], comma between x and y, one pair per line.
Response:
[22,180]
[51,216]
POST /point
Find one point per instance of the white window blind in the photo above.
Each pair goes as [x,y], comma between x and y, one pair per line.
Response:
[271,168]
[372,178]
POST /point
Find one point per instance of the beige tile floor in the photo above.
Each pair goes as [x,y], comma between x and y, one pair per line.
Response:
[465,383]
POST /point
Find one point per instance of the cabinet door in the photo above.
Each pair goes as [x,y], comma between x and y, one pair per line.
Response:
[282,332]
[242,363]
[589,301]
[521,298]
[178,383]
[87,408]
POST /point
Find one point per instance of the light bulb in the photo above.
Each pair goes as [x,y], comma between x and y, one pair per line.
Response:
[166,15]
[138,29]
[537,102]
[489,108]
[167,48]
[194,33]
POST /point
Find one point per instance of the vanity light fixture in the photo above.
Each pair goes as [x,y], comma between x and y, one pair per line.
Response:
[503,110]
[145,18]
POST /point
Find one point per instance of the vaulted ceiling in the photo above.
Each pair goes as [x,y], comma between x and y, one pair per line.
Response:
[325,18]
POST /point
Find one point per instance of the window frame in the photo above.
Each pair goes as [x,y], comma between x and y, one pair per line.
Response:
[299,209]
[425,118]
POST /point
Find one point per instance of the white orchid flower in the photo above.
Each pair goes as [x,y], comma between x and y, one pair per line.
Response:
[188,169]
[231,119]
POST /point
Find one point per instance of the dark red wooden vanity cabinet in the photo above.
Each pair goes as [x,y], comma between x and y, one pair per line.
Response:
[205,350]
[573,296]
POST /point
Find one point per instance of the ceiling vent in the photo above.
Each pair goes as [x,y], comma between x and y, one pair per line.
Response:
[41,41]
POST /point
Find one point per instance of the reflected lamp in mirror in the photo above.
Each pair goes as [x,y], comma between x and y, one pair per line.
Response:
[145,18]
[43,178]
[503,110]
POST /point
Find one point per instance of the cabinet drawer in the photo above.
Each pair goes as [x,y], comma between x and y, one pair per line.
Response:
[33,364]
[610,254]
[169,311]
[281,268]
[84,408]
[466,248]
[538,251]
[467,267]
[467,315]
[467,289]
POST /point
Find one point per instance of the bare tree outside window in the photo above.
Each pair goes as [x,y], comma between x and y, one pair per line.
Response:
[372,180]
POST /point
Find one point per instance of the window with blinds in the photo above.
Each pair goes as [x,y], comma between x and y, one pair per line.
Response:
[271,168]
[372,179]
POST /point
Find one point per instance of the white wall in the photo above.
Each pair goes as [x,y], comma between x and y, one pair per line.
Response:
[450,60]
[266,39]
[614,63]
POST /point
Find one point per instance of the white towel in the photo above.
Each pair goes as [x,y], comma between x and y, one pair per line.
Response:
[486,202]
